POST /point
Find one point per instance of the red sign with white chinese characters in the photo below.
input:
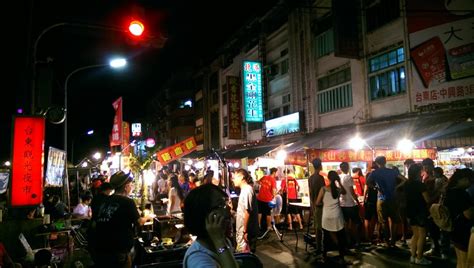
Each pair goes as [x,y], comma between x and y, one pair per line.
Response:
[234,113]
[430,61]
[116,138]
[299,158]
[176,151]
[27,161]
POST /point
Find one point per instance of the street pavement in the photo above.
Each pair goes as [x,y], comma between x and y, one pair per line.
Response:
[288,253]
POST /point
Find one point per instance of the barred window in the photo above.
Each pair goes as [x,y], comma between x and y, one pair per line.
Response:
[387,75]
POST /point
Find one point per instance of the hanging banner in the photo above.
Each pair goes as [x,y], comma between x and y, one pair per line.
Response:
[116,138]
[27,161]
[126,138]
[442,51]
[55,167]
[299,158]
[253,93]
[234,114]
[176,151]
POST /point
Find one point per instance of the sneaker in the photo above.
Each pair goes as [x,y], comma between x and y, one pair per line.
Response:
[412,259]
[422,261]
[431,252]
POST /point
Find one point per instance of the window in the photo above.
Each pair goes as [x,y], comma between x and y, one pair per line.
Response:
[224,127]
[387,74]
[284,52]
[285,98]
[224,94]
[335,98]
[325,43]
[284,67]
[334,79]
[286,109]
[275,113]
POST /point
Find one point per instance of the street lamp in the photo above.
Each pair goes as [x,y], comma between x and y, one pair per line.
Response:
[114,64]
[357,143]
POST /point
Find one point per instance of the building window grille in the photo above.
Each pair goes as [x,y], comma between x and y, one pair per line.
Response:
[387,74]
[334,79]
[325,43]
[335,98]
[284,67]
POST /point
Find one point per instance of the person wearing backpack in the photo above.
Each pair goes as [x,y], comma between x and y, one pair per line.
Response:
[417,213]
[460,211]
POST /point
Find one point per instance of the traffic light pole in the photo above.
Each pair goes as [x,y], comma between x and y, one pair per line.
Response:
[35,50]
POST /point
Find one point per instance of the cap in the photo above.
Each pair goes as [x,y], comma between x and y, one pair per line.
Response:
[119,179]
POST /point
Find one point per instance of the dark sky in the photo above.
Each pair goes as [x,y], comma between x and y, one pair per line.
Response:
[194,30]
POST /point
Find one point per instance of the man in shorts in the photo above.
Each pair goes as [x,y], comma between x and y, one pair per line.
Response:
[265,195]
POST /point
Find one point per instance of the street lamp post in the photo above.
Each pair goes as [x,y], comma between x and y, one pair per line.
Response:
[35,50]
[116,63]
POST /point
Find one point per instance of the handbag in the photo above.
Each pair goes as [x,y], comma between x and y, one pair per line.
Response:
[440,215]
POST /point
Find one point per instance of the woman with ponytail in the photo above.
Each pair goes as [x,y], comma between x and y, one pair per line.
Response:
[332,220]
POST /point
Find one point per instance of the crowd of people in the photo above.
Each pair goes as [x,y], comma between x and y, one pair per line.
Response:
[392,207]
[350,210]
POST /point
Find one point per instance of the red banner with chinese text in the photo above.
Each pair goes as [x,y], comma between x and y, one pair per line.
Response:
[234,113]
[116,138]
[126,138]
[299,158]
[27,161]
[176,151]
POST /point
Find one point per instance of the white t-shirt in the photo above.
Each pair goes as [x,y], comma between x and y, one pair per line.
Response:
[346,200]
[82,210]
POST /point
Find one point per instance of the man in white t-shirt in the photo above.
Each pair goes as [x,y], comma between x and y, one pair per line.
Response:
[349,204]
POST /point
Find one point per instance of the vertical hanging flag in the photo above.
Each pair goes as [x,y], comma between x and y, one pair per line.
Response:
[253,95]
[27,161]
[126,138]
[116,138]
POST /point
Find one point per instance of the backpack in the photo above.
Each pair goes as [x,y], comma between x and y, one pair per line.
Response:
[440,215]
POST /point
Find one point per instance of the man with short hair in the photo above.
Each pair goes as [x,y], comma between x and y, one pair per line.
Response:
[349,205]
[265,195]
[386,181]
[247,213]
[315,183]
[114,225]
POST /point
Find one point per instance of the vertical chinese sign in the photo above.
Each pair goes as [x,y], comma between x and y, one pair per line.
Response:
[442,51]
[234,114]
[116,138]
[126,138]
[28,158]
[253,95]
[176,151]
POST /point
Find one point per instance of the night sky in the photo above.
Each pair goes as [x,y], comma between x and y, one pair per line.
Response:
[195,29]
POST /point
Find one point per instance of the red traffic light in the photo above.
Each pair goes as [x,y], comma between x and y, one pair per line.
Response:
[136,28]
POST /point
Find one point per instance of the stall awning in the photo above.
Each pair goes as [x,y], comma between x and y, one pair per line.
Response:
[251,152]
[428,131]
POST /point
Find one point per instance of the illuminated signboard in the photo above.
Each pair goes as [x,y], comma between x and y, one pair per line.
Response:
[253,95]
[176,151]
[27,161]
[55,167]
[136,129]
[283,125]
